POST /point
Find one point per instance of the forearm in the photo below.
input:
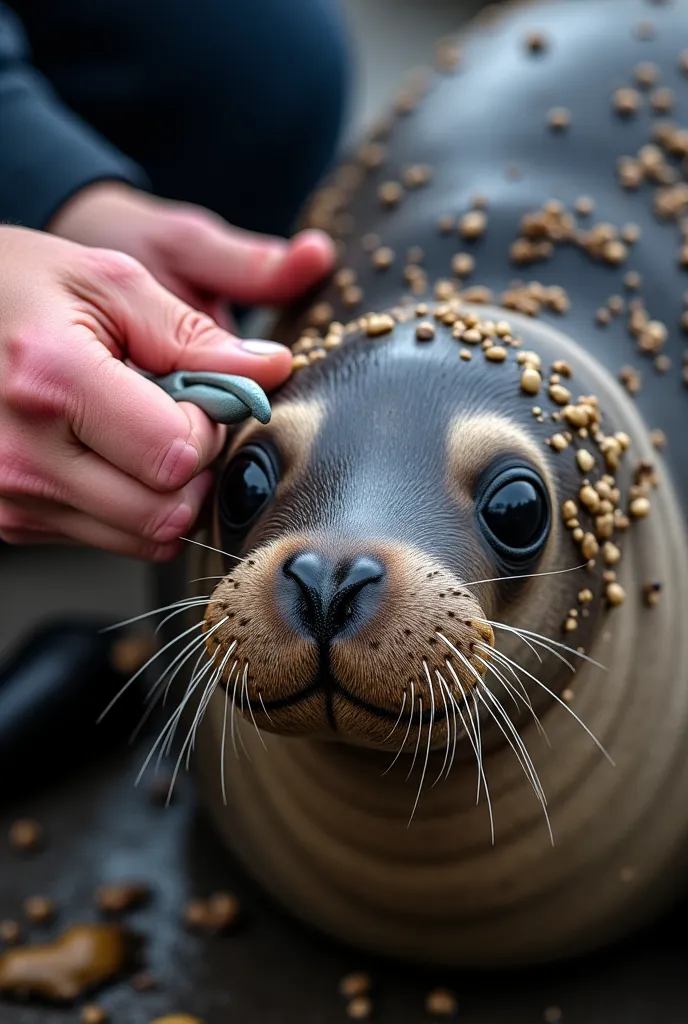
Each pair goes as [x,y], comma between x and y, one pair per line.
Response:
[47,153]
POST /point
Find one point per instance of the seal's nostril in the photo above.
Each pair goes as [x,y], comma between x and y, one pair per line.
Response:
[331,598]
[353,595]
[313,577]
[310,571]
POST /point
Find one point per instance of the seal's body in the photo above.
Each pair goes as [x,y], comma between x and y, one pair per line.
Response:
[461,496]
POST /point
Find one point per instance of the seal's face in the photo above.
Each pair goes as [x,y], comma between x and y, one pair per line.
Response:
[393,478]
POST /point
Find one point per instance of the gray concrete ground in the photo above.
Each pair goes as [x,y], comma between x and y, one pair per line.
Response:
[391,36]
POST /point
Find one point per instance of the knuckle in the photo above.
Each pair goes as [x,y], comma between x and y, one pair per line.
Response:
[194,327]
[188,227]
[32,378]
[115,268]
[20,477]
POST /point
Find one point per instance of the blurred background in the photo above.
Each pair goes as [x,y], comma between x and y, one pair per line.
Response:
[390,37]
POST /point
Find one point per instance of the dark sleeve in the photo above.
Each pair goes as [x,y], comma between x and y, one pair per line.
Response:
[47,153]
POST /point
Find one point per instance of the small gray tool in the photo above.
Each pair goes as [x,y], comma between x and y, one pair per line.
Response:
[224,397]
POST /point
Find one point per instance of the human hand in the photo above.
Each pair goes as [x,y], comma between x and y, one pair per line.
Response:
[90,451]
[192,252]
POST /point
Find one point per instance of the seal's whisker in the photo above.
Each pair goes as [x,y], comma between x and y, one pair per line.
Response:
[244,689]
[233,707]
[420,733]
[144,717]
[446,753]
[406,735]
[205,696]
[191,604]
[544,641]
[216,550]
[182,657]
[223,745]
[429,743]
[265,710]
[200,579]
[394,727]
[187,744]
[482,687]
[194,682]
[524,761]
[540,643]
[525,576]
[164,731]
[566,707]
[493,653]
[195,676]
[480,761]
[156,611]
[490,667]
[253,717]
[203,707]
[142,669]
[473,739]
[201,647]
[457,681]
[443,684]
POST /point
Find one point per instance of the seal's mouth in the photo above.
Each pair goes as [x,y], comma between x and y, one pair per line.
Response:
[329,687]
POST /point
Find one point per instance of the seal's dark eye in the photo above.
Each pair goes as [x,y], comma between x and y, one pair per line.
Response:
[515,514]
[246,487]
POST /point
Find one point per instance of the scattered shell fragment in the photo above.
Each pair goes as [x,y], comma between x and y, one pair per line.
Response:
[531,381]
[425,331]
[355,984]
[472,224]
[177,1018]
[26,836]
[651,593]
[559,119]
[39,910]
[119,897]
[535,42]
[10,932]
[615,594]
[379,323]
[359,1008]
[441,1003]
[81,959]
[93,1014]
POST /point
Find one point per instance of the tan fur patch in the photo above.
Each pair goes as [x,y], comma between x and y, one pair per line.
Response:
[473,441]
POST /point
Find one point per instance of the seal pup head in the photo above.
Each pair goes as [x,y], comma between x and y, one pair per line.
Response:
[412,463]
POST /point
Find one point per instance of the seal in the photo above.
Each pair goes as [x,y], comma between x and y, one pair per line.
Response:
[446,628]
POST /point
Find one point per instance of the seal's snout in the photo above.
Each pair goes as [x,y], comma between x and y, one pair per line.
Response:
[325,599]
[347,636]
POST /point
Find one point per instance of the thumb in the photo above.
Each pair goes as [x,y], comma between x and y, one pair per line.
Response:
[161,333]
[249,268]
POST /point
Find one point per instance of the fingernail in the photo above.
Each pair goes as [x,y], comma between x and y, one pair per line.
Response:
[256,347]
[180,521]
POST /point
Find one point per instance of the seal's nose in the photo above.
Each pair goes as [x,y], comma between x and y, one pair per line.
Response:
[325,599]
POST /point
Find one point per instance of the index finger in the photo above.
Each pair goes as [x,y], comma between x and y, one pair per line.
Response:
[133,424]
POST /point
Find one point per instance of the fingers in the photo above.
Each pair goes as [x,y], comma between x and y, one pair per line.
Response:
[149,526]
[161,333]
[127,420]
[245,267]
[89,533]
